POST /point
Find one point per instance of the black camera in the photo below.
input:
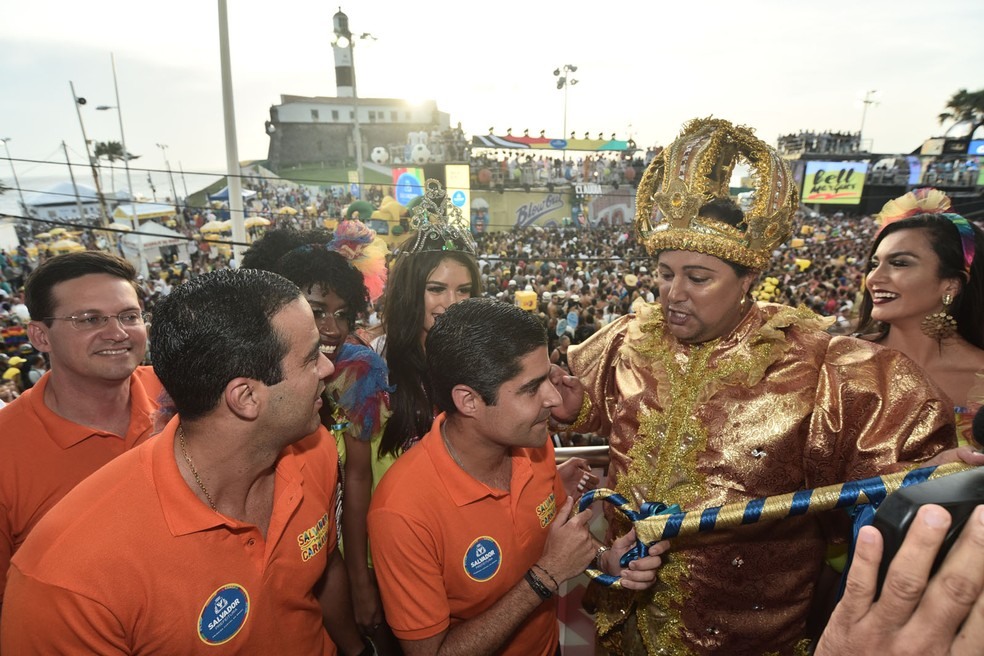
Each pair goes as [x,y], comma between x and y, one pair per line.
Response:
[959,493]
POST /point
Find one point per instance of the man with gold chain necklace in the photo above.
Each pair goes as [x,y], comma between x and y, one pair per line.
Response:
[221,529]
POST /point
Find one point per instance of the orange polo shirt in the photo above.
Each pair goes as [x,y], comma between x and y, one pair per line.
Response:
[131,561]
[43,456]
[446,547]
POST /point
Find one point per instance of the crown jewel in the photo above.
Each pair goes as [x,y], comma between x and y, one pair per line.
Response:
[696,168]
[440,226]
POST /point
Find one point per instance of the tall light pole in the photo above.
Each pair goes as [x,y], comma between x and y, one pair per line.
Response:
[126,153]
[236,214]
[79,101]
[75,187]
[170,174]
[343,44]
[564,80]
[184,181]
[868,100]
[20,192]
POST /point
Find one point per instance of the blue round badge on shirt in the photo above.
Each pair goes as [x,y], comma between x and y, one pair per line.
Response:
[483,558]
[223,615]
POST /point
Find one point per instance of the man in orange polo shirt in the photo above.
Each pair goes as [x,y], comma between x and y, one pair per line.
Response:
[470,531]
[220,530]
[93,405]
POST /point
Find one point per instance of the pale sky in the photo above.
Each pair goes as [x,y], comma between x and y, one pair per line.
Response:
[643,68]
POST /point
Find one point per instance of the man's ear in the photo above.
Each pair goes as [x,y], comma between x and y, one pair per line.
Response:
[37,332]
[242,397]
[466,400]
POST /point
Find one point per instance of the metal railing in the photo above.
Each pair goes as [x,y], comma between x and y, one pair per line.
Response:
[596,456]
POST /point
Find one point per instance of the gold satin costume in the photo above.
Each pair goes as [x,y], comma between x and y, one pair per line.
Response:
[777,406]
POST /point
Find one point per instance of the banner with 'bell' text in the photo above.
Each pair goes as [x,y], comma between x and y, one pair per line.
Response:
[834,183]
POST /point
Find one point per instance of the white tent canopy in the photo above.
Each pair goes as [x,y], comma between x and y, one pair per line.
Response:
[145,245]
[143,211]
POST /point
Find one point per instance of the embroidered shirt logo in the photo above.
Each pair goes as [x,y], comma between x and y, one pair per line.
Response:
[315,538]
[547,510]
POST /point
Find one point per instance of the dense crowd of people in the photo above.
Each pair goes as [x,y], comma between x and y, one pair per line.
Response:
[599,273]
[406,404]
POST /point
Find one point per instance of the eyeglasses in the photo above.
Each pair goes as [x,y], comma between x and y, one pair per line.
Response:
[88,321]
[339,316]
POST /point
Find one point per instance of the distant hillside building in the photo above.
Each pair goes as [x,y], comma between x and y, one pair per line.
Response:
[320,130]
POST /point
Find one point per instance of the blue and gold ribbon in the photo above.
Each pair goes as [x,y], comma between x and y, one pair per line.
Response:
[655,521]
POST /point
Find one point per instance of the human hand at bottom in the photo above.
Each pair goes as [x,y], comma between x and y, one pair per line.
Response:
[943,616]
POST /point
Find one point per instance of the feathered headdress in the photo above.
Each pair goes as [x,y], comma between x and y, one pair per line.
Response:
[918,201]
[366,251]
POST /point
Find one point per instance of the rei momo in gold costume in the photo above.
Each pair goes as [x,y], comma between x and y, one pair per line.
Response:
[710,398]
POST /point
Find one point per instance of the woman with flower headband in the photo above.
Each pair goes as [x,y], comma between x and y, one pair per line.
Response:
[710,398]
[924,296]
[339,274]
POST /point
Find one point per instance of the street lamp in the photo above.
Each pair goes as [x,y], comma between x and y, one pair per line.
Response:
[167,165]
[20,192]
[564,80]
[343,43]
[126,153]
[869,99]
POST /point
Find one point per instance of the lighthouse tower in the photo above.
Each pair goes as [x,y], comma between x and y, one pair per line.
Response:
[342,47]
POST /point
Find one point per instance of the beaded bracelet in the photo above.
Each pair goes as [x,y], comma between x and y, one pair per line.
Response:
[541,590]
[549,575]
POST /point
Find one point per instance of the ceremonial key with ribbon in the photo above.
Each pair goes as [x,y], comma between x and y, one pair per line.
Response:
[657,521]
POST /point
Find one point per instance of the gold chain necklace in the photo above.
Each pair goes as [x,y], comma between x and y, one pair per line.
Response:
[194,472]
[447,445]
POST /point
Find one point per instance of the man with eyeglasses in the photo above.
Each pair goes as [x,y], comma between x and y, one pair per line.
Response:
[221,530]
[93,404]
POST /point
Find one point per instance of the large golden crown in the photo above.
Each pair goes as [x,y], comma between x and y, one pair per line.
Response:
[696,168]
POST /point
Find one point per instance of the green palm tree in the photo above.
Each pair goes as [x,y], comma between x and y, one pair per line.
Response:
[965,106]
[112,151]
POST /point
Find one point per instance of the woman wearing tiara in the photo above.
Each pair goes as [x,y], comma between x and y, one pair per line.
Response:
[924,296]
[433,268]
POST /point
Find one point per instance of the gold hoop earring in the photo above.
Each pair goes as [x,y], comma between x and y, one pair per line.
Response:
[940,325]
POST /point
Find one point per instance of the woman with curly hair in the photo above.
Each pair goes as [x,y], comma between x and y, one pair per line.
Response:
[338,274]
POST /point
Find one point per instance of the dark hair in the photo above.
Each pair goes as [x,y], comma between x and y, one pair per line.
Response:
[215,328]
[944,239]
[265,253]
[62,268]
[403,321]
[727,211]
[301,257]
[479,343]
